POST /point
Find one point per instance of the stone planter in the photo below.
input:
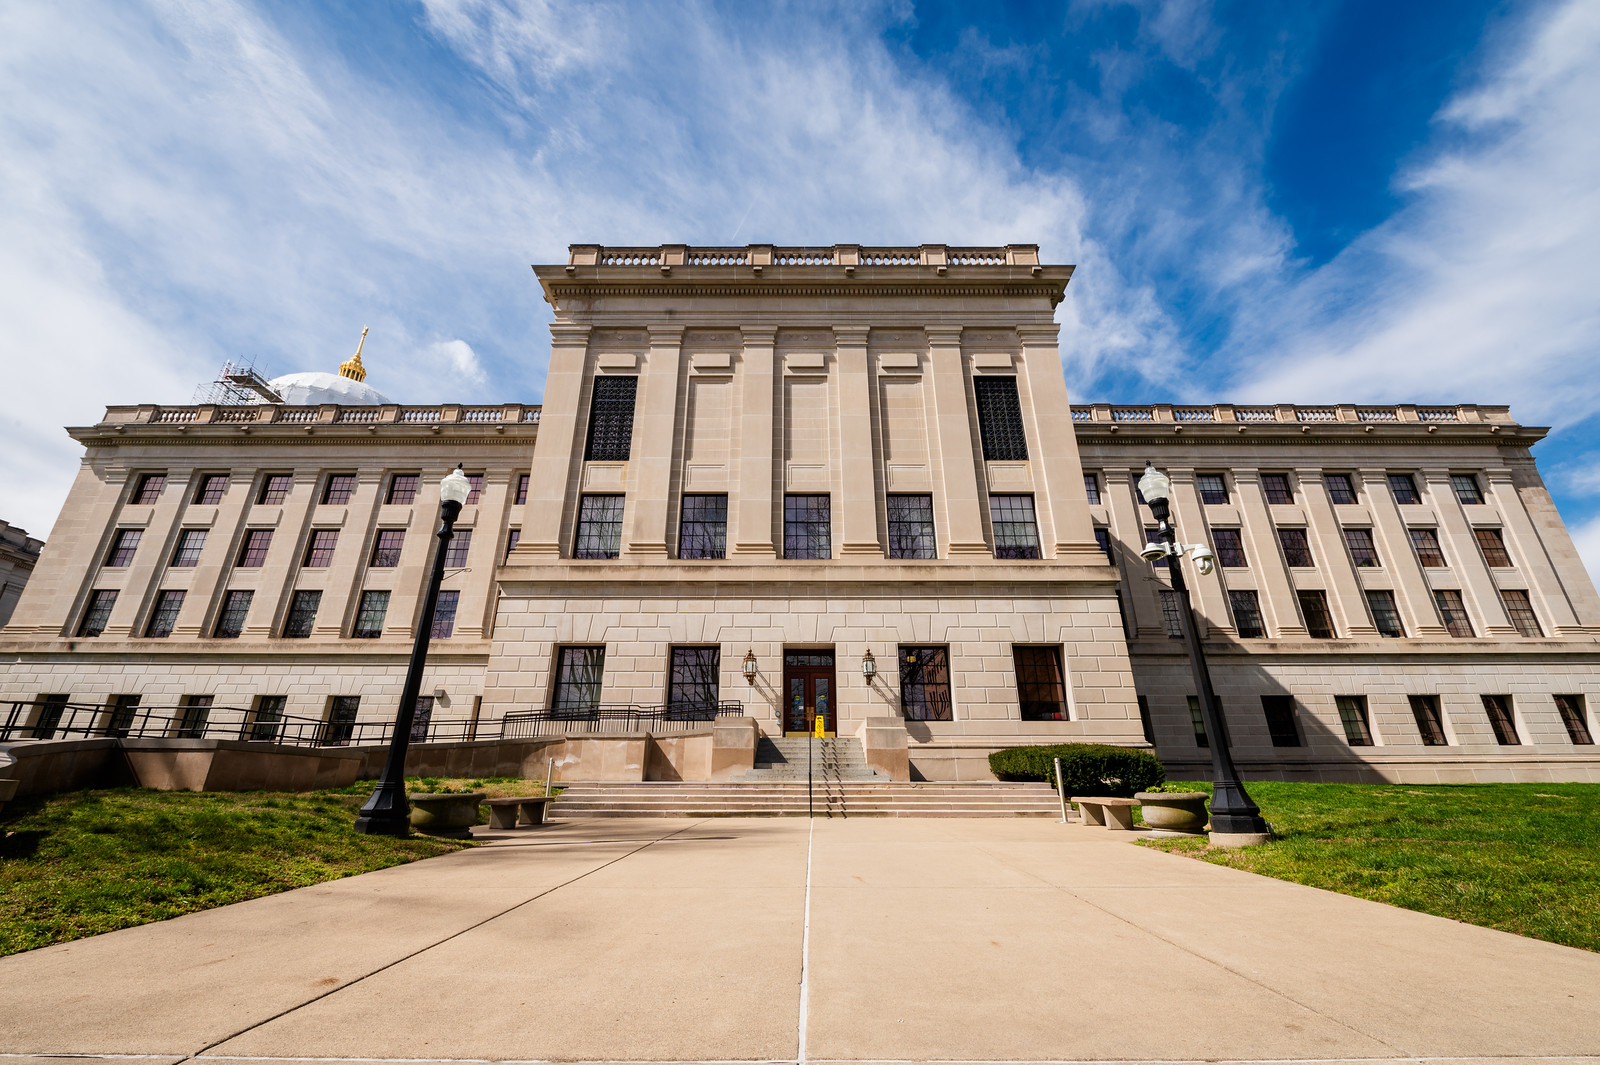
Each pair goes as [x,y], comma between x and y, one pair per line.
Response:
[1174,813]
[445,815]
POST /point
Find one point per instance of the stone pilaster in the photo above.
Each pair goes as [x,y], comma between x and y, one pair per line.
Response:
[952,424]
[1478,590]
[558,449]
[1058,471]
[858,467]
[750,510]
[1415,598]
[1276,590]
[644,531]
[1349,601]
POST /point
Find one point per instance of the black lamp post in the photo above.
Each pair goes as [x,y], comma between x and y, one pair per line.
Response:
[1232,811]
[388,813]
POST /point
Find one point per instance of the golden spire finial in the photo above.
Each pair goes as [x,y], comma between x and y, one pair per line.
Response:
[353,368]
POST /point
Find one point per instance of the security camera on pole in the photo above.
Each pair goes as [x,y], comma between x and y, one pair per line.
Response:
[1235,819]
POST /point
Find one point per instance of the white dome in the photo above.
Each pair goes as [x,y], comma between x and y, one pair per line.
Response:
[314,387]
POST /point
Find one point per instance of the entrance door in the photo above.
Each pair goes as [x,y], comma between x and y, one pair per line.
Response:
[808,691]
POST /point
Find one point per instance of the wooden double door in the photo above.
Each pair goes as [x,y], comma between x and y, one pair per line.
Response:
[808,687]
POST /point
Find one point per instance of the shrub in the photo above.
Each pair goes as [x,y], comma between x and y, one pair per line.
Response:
[1086,768]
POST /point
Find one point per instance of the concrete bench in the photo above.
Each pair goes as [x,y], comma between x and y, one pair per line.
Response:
[1114,814]
[503,812]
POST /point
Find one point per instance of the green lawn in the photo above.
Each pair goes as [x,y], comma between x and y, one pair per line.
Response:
[1524,858]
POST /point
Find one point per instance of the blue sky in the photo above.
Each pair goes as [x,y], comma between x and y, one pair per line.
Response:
[1310,202]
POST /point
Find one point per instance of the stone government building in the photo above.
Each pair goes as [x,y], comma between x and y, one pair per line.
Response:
[810,454]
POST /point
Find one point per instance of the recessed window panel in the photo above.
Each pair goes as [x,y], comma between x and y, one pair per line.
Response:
[1520,610]
[1016,532]
[1404,488]
[1247,614]
[911,527]
[807,526]
[212,487]
[1276,488]
[164,618]
[1466,488]
[302,614]
[1229,547]
[1453,612]
[1296,548]
[1091,488]
[1314,606]
[1341,491]
[1385,614]
[190,543]
[1041,683]
[1430,721]
[123,545]
[253,552]
[403,488]
[1575,717]
[1426,543]
[268,717]
[1152,535]
[444,614]
[339,489]
[1102,539]
[1353,716]
[386,548]
[694,681]
[611,419]
[476,492]
[149,489]
[1000,419]
[275,489]
[341,723]
[1281,725]
[703,529]
[231,618]
[370,615]
[1172,613]
[1197,721]
[599,527]
[320,548]
[578,674]
[1501,719]
[455,556]
[925,684]
[1213,488]
[513,538]
[1493,546]
[522,489]
[98,612]
[1363,551]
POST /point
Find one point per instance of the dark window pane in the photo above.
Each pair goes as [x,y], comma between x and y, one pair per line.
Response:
[1229,546]
[1137,493]
[421,718]
[403,488]
[342,711]
[1279,711]
[925,684]
[522,489]
[275,489]
[190,543]
[1319,623]
[1498,707]
[101,600]
[1521,611]
[1363,552]
[476,493]
[599,527]
[1198,721]
[1102,537]
[268,717]
[1466,486]
[1385,615]
[1430,723]
[124,708]
[703,530]
[194,714]
[455,556]
[253,552]
[302,614]
[123,545]
[370,616]
[164,618]
[807,527]
[341,486]
[1016,533]
[149,490]
[513,538]
[1276,487]
[1296,548]
[1573,716]
[578,674]
[911,527]
[1145,722]
[1453,612]
[1000,418]
[235,608]
[695,682]
[611,419]
[1091,487]
[1404,488]
[444,614]
[1353,716]
[1152,535]
[1213,488]
[212,486]
[51,710]
[1426,541]
[1493,545]
[1172,613]
[319,549]
[1041,685]
[386,548]
[1340,489]
[1247,614]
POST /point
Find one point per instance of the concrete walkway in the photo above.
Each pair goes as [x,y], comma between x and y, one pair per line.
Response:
[773,940]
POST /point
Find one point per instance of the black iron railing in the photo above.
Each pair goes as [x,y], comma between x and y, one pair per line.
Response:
[618,717]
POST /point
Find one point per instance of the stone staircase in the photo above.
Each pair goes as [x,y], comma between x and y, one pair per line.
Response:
[835,758]
[851,798]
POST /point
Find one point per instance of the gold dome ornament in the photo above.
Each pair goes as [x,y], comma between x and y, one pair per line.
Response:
[352,368]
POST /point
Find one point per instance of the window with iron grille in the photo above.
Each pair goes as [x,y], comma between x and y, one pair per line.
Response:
[1198,721]
[1281,726]
[1466,487]
[1314,605]
[1453,612]
[1341,491]
[1404,488]
[212,486]
[339,489]
[386,547]
[1520,609]
[1091,488]
[1145,722]
[403,488]
[98,612]
[1213,488]
[421,718]
[302,614]
[164,618]
[123,546]
[1247,614]
[1353,716]
[599,527]
[611,419]
[1363,552]
[1000,419]
[911,527]
[1152,535]
[1041,683]
[230,620]
[1276,487]
[578,674]
[1498,707]
[1574,717]
[455,556]
[1229,546]
[1385,614]
[1102,537]
[703,529]
[694,682]
[1171,613]
[1430,721]
[476,493]
[196,711]
[444,614]
[253,552]
[522,489]
[370,615]
[925,684]
[275,489]
[1296,548]
[807,527]
[1426,542]
[513,538]
[149,490]
[1493,546]
[268,717]
[341,725]
[190,543]
[319,549]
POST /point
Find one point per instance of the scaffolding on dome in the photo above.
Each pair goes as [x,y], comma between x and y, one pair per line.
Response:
[238,384]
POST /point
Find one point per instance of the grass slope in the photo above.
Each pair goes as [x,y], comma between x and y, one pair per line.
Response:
[1523,858]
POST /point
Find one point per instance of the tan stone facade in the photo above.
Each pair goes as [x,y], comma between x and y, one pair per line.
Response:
[19,552]
[900,417]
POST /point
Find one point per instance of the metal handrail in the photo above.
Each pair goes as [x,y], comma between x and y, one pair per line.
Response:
[614,717]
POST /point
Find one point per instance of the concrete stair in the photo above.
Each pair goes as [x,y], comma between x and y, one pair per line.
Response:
[847,798]
[832,758]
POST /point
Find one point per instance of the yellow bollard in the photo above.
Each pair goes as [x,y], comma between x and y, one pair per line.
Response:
[822,724]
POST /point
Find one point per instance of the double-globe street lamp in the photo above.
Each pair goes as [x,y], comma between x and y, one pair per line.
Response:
[388,813]
[1235,819]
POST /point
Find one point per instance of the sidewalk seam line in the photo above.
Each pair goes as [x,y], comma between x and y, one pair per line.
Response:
[805,950]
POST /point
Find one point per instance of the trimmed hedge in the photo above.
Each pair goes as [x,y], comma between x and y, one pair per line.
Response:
[1086,768]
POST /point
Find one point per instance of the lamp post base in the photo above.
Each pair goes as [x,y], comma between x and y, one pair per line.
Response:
[1239,839]
[384,824]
